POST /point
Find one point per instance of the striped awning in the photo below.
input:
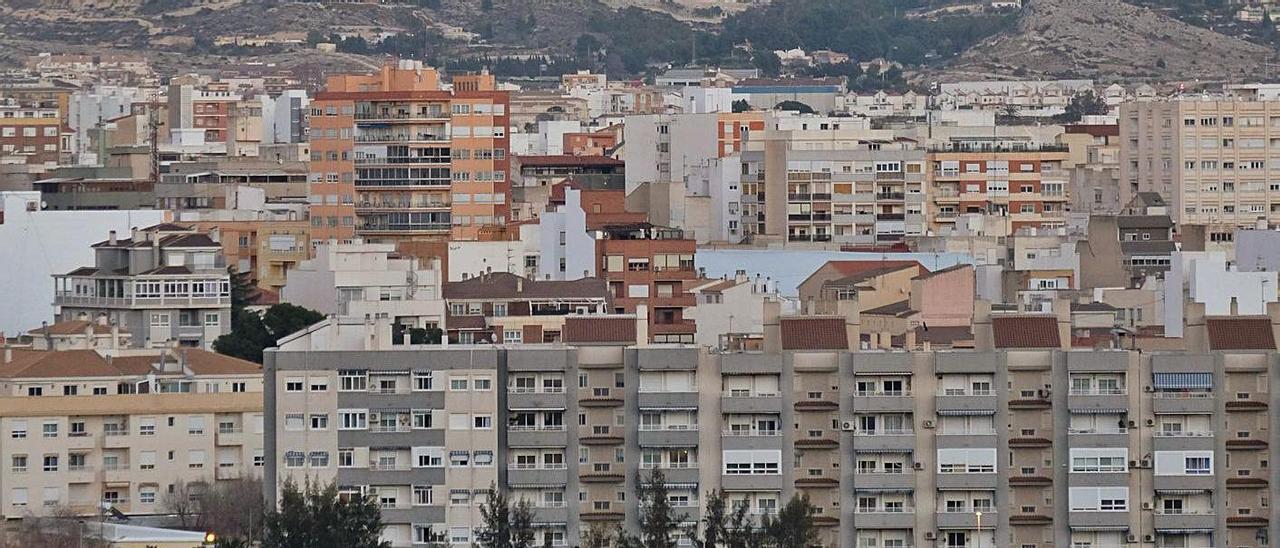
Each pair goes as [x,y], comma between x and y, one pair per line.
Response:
[1183,531]
[390,448]
[668,408]
[1181,491]
[879,451]
[857,489]
[1183,381]
[1098,411]
[534,409]
[682,485]
[548,524]
[375,372]
[1099,527]
[543,485]
[965,412]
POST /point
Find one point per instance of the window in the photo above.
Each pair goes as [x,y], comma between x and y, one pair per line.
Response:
[512,336]
[50,429]
[421,419]
[18,463]
[319,459]
[1099,499]
[353,419]
[421,496]
[50,463]
[483,458]
[353,381]
[319,421]
[294,422]
[195,425]
[482,384]
[1100,460]
[754,462]
[457,384]
[970,461]
[293,384]
[1198,465]
[18,429]
[147,460]
[294,459]
[147,426]
[422,380]
[483,422]
[147,495]
[195,459]
[319,385]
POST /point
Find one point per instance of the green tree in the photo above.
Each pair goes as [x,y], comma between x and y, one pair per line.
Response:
[316,517]
[767,61]
[740,532]
[658,521]
[794,105]
[506,525]
[1081,105]
[598,536]
[251,334]
[741,105]
[793,527]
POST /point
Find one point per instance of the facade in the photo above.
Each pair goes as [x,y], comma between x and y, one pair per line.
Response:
[359,279]
[1095,168]
[1102,447]
[31,134]
[503,308]
[646,267]
[166,284]
[1210,160]
[395,157]
[1022,188]
[90,430]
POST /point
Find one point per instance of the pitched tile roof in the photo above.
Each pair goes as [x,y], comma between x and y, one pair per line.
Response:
[1026,332]
[89,363]
[849,268]
[814,333]
[569,160]
[73,327]
[1240,333]
[899,309]
[589,330]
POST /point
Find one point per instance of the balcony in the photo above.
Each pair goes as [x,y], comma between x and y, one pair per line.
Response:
[964,517]
[668,437]
[601,473]
[1182,402]
[545,474]
[227,471]
[1240,405]
[904,479]
[116,473]
[757,403]
[552,401]
[600,435]
[820,403]
[1247,444]
[537,436]
[971,400]
[429,116]
[885,517]
[829,440]
[79,474]
[1097,519]
[890,216]
[890,196]
[899,401]
[674,472]
[1185,519]
[675,400]
[229,436]
[1030,481]
[1117,398]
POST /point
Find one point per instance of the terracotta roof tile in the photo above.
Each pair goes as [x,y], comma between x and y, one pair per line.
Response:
[568,160]
[1247,333]
[73,327]
[503,285]
[1025,332]
[89,363]
[826,333]
[588,330]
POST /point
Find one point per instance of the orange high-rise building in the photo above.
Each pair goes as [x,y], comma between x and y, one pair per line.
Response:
[396,158]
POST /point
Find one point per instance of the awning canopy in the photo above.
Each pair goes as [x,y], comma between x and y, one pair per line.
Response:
[533,409]
[965,412]
[1099,527]
[682,486]
[1183,381]
[668,408]
[1181,491]
[857,490]
[546,485]
[1099,411]
[871,451]
[1183,531]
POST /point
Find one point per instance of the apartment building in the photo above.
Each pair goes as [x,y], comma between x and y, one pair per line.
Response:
[31,134]
[822,179]
[1021,184]
[646,267]
[1095,168]
[504,308]
[1211,160]
[394,156]
[1021,441]
[166,284]
[88,429]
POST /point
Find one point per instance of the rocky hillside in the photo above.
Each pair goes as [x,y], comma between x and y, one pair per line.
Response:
[1107,40]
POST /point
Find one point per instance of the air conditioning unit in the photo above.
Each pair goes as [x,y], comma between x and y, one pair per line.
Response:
[1042,393]
[1151,422]
[1148,538]
[1131,538]
[1146,463]
[930,535]
[847,426]
[918,466]
[1148,388]
[926,424]
[1133,464]
[1133,424]
[1146,506]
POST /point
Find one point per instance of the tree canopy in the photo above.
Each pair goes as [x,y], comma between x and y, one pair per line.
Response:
[314,516]
[250,333]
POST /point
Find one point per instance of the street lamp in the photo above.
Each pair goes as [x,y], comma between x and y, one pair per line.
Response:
[978,514]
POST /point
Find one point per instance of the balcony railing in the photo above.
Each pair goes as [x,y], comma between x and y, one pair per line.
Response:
[383,467]
[382,429]
[885,432]
[1173,395]
[750,432]
[538,466]
[544,390]
[882,393]
[536,428]
[1183,434]
[1074,431]
[1098,392]
[954,393]
[668,428]
[885,510]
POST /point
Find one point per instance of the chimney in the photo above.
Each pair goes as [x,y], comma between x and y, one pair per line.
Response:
[1235,306]
[88,336]
[642,324]
[852,323]
[102,319]
[115,337]
[111,237]
[519,284]
[740,276]
[8,354]
[772,326]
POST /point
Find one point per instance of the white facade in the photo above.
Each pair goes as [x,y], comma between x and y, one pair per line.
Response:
[363,279]
[1205,278]
[36,244]
[88,109]
[667,147]
[700,100]
[568,251]
[468,259]
[548,141]
[728,306]
[284,118]
[720,180]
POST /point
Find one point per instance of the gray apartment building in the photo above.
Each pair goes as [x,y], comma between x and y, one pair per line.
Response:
[1021,442]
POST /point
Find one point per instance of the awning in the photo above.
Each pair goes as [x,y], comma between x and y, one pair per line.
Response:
[1181,491]
[668,408]
[965,412]
[390,448]
[376,372]
[534,409]
[870,451]
[548,524]
[682,486]
[857,489]
[545,485]
[1183,381]
[1099,411]
[1184,531]
[1098,527]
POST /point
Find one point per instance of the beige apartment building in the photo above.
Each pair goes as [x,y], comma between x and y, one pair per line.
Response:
[1214,161]
[1021,184]
[1022,441]
[88,429]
